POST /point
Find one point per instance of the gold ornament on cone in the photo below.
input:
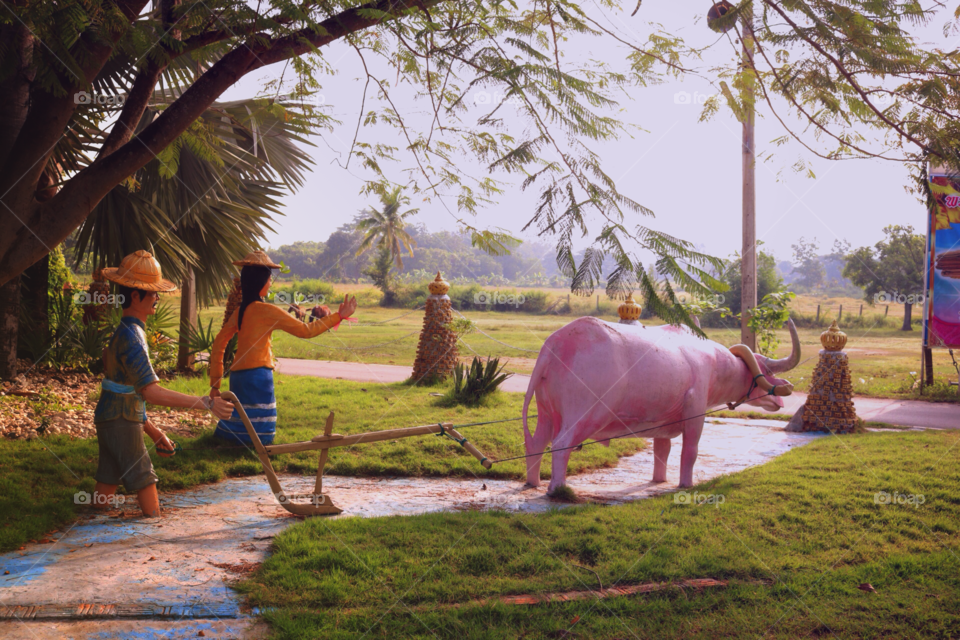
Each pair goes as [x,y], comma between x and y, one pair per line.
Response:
[833,339]
[439,286]
[629,310]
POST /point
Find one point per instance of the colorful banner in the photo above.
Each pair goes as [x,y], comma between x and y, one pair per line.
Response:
[942,308]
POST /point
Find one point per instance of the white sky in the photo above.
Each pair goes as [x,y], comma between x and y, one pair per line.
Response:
[687,172]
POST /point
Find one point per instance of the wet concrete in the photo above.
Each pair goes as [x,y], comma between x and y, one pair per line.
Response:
[172,561]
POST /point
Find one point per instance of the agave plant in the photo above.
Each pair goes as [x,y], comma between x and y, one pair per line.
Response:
[471,385]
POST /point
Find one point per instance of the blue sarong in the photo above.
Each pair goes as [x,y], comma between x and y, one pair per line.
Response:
[254,389]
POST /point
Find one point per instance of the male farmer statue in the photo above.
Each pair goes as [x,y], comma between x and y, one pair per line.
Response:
[129,382]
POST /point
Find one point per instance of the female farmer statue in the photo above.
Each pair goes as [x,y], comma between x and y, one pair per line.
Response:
[129,383]
[251,375]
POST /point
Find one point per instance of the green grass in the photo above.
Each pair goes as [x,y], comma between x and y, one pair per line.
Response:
[38,478]
[795,537]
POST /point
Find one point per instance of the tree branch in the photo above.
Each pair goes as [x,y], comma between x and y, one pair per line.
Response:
[846,74]
[61,215]
[136,103]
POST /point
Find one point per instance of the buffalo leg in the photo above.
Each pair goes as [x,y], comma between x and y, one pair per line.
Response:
[562,444]
[688,453]
[541,437]
[661,451]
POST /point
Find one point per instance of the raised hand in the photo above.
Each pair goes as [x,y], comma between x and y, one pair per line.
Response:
[347,307]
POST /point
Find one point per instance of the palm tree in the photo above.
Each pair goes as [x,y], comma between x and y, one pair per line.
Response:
[384,228]
[205,200]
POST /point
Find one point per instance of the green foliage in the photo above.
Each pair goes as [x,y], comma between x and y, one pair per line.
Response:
[461,327]
[200,339]
[89,339]
[767,280]
[890,269]
[383,228]
[53,346]
[381,274]
[717,310]
[164,320]
[217,187]
[472,385]
[807,264]
[59,273]
[334,260]
[767,317]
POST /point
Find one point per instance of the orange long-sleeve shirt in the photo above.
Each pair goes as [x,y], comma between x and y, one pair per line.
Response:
[260,320]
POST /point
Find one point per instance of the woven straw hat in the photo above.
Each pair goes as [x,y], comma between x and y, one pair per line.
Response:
[256,259]
[139,270]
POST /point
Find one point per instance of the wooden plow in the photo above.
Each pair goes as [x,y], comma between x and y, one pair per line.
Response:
[318,503]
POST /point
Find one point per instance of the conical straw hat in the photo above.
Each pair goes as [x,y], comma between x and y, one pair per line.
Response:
[257,259]
[139,270]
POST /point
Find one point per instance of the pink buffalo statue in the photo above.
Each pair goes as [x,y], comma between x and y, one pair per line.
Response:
[596,380]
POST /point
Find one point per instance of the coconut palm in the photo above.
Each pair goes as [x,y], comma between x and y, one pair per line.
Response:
[384,227]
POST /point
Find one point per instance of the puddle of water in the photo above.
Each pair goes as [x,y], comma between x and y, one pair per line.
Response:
[170,560]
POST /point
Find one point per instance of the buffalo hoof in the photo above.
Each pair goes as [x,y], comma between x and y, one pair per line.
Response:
[563,493]
[659,480]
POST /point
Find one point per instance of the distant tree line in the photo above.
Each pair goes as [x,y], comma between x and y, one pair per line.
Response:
[335,259]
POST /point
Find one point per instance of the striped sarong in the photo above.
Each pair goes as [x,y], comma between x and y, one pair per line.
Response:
[254,389]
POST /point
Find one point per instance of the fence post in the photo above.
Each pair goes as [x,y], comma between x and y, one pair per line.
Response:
[887,312]
[861,310]
[598,303]
[840,315]
[818,314]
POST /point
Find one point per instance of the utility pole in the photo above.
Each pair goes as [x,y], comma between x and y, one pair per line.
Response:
[748,261]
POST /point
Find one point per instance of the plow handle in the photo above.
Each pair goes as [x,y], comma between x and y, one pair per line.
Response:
[471,449]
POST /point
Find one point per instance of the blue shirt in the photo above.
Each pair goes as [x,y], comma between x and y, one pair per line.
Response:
[127,362]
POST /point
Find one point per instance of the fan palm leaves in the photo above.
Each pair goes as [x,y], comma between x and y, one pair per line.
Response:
[208,198]
[383,227]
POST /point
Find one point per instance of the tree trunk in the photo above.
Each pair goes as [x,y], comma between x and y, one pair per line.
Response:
[188,317]
[907,317]
[748,262]
[9,322]
[34,295]
[928,365]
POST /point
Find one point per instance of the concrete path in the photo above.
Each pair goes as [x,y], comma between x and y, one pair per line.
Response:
[135,578]
[908,413]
